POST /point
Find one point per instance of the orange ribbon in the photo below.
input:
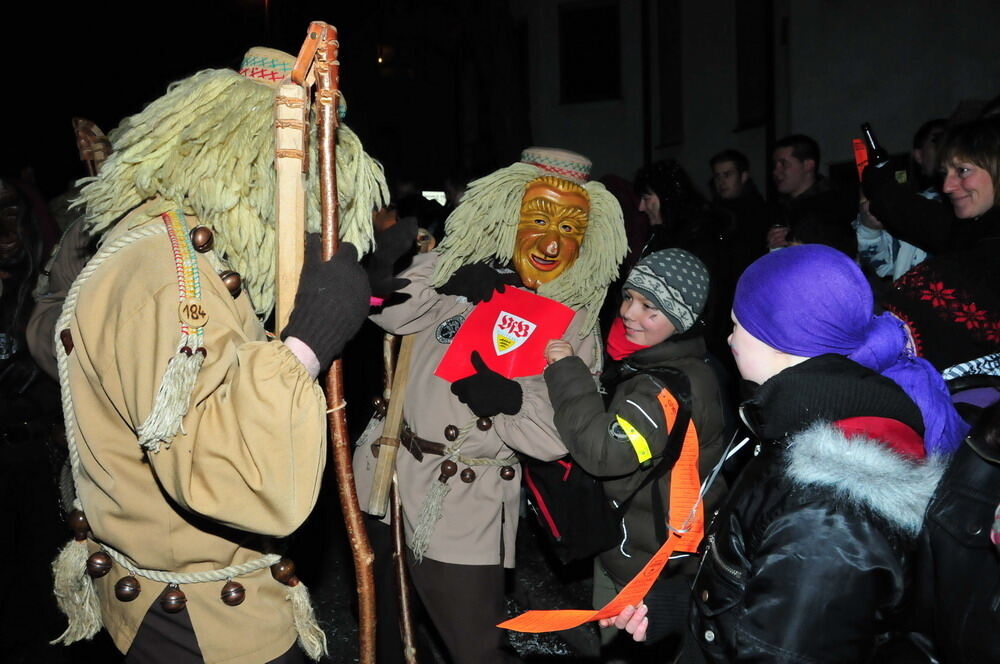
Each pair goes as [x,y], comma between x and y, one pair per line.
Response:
[687,527]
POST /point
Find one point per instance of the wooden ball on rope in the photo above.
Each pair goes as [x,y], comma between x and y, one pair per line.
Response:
[98,564]
[127,588]
[233,593]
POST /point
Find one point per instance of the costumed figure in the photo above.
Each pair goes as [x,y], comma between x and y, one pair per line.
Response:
[537,225]
[196,443]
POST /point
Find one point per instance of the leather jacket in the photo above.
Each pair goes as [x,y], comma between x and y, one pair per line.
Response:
[957,573]
[809,560]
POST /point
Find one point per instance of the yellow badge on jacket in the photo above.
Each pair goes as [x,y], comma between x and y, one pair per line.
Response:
[638,441]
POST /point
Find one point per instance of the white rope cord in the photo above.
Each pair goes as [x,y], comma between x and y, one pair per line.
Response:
[69,309]
[205,576]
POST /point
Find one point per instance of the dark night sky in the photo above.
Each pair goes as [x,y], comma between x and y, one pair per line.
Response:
[105,61]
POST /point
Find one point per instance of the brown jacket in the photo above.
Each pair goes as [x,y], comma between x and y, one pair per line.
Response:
[68,259]
[479,519]
[245,468]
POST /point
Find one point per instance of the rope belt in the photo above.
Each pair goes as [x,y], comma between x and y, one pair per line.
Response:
[205,576]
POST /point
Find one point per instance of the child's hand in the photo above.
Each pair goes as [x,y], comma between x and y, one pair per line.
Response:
[632,619]
[556,350]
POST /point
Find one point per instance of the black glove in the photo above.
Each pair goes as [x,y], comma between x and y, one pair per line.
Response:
[876,184]
[486,392]
[390,245]
[331,303]
[477,282]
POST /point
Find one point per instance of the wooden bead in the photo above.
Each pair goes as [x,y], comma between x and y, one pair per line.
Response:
[98,564]
[233,282]
[484,423]
[468,476]
[233,593]
[127,588]
[507,473]
[451,432]
[77,521]
[283,571]
[66,337]
[448,468]
[173,600]
[202,239]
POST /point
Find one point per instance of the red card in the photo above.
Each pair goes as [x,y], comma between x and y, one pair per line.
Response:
[510,332]
[860,155]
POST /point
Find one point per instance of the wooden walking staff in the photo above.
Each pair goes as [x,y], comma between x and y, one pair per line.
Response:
[327,69]
[317,60]
[396,371]
[93,145]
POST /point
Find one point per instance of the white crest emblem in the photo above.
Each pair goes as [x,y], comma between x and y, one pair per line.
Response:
[510,331]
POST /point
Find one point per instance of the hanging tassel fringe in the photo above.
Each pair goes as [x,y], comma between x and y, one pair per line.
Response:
[173,397]
[312,640]
[74,591]
[430,512]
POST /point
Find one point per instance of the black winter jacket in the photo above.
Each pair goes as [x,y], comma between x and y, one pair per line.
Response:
[809,559]
[957,568]
[598,444]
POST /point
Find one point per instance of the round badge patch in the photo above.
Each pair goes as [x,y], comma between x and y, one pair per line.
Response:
[447,330]
[192,313]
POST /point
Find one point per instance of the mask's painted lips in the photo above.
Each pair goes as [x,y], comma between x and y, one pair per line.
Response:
[543,264]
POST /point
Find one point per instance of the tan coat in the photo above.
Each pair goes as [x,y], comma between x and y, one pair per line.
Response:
[246,467]
[479,520]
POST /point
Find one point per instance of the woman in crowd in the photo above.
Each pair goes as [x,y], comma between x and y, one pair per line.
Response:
[809,559]
[951,301]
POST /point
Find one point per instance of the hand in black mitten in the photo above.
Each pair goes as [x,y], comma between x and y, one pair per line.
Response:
[486,392]
[874,183]
[331,303]
[477,282]
[390,245]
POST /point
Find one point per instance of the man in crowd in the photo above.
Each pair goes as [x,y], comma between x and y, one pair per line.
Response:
[813,211]
[737,194]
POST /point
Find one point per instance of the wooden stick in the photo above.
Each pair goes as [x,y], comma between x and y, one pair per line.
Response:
[289,141]
[327,70]
[402,578]
[385,467]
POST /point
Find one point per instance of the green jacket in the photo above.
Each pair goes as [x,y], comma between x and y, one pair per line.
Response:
[595,438]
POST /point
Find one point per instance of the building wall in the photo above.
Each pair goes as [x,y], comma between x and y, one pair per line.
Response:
[608,132]
[894,63]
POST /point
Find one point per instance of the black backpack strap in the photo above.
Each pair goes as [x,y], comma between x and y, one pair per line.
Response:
[678,384]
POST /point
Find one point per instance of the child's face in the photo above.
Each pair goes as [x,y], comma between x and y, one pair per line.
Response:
[644,323]
[756,360]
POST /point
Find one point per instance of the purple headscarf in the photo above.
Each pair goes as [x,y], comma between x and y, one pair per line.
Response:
[811,299]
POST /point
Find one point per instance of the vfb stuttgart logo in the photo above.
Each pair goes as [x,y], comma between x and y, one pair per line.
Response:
[510,331]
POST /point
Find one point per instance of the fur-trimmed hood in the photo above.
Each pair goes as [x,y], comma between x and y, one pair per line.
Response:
[865,472]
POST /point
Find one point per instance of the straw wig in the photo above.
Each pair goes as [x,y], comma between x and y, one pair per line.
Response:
[484,225]
[207,146]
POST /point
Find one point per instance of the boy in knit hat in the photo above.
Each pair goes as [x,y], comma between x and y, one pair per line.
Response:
[658,361]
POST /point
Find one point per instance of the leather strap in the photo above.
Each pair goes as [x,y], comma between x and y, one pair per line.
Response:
[417,446]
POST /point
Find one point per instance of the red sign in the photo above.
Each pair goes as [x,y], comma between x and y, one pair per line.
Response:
[510,332]
[860,155]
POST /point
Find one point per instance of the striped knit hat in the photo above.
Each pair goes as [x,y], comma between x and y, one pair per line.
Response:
[562,163]
[266,65]
[269,66]
[675,281]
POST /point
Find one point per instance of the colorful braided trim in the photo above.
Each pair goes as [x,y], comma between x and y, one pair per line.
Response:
[191,313]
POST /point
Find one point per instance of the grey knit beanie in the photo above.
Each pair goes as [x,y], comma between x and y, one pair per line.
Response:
[675,281]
